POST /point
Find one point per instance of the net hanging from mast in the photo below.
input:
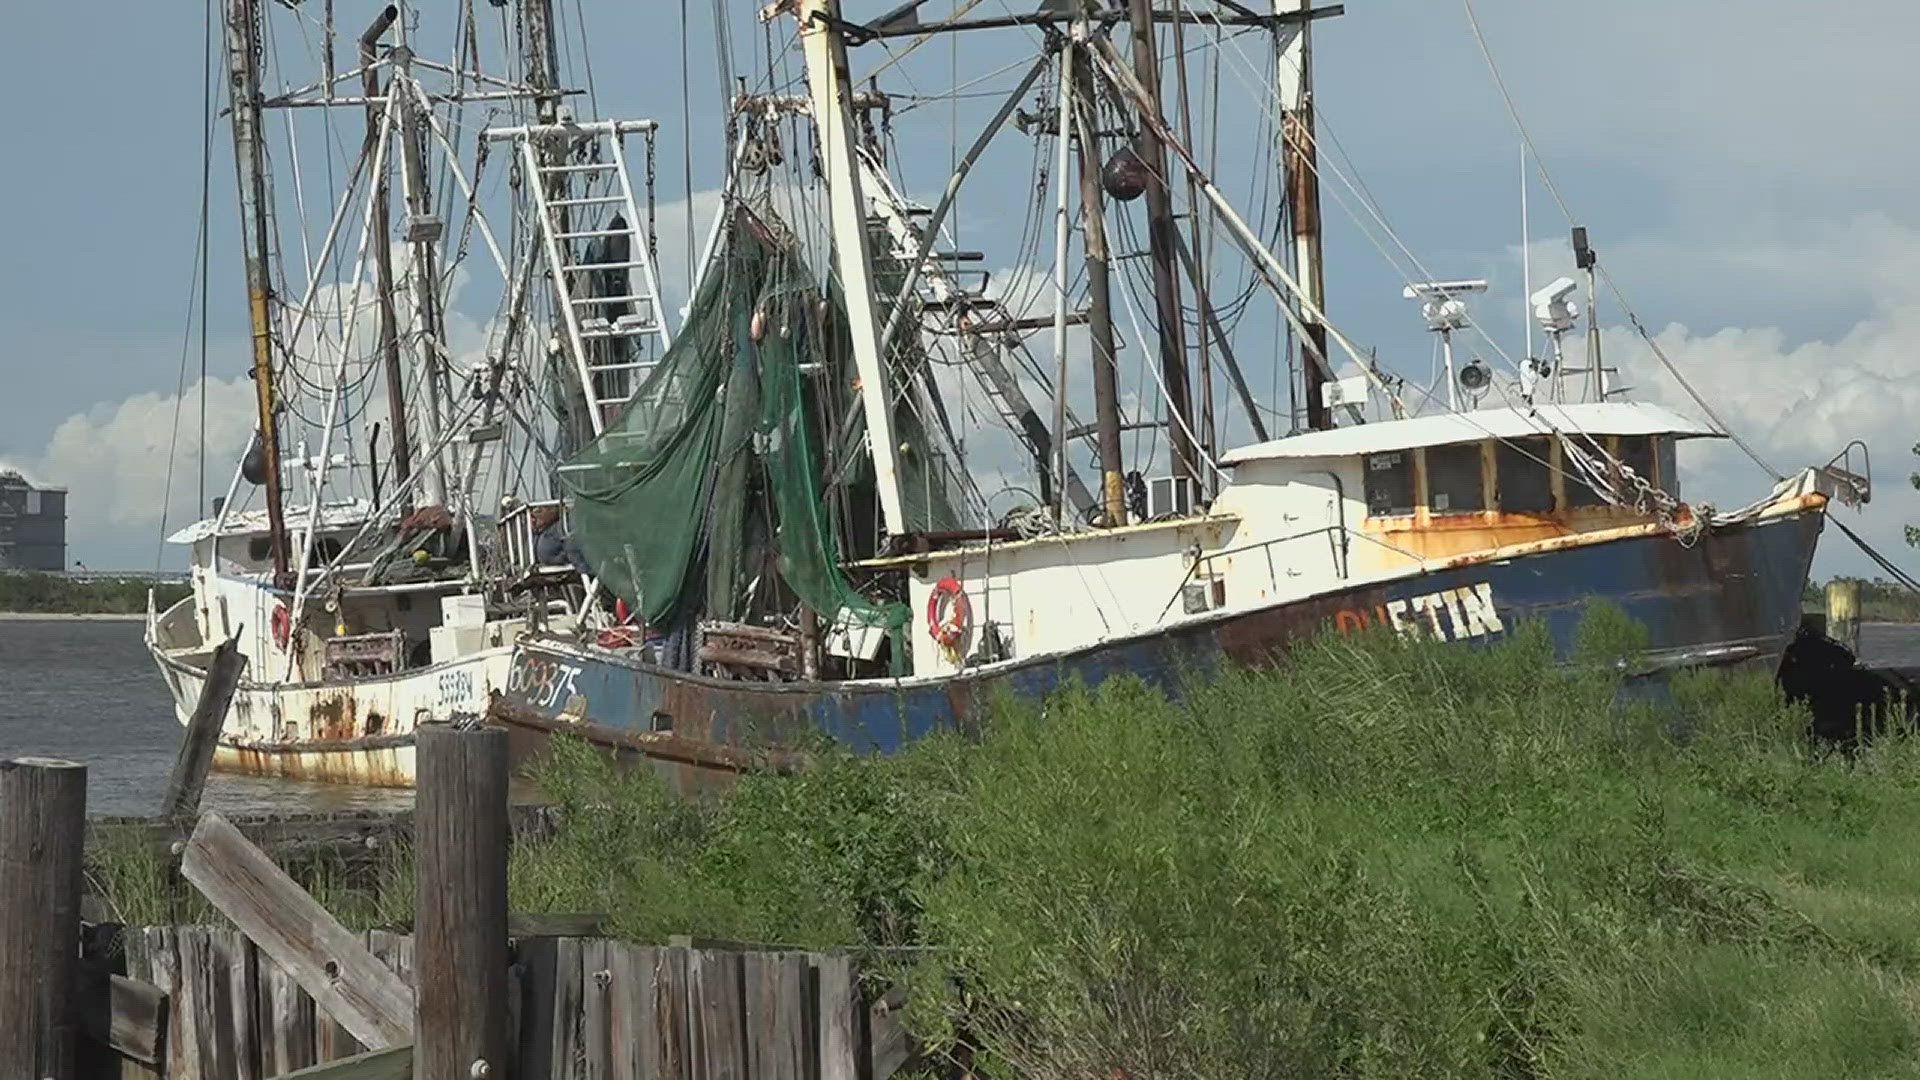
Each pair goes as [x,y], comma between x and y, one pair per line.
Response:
[708,482]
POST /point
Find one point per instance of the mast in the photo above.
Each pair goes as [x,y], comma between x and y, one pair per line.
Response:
[1161,240]
[1293,76]
[249,162]
[828,83]
[1093,235]
[423,233]
[381,230]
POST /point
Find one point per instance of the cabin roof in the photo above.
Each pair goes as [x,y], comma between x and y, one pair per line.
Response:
[1442,429]
[340,515]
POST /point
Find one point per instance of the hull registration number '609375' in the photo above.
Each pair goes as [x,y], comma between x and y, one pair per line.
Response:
[542,682]
[1447,615]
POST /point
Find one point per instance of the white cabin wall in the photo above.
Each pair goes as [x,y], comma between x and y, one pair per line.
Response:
[1297,520]
[1052,595]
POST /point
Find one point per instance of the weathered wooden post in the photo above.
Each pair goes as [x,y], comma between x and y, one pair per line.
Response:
[1843,613]
[43,821]
[203,730]
[460,912]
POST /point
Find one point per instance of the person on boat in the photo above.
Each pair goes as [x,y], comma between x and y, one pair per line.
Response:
[551,544]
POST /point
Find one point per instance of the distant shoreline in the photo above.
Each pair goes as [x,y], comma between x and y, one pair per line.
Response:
[72,616]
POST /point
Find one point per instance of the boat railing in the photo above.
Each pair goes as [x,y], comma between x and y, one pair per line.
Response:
[1200,570]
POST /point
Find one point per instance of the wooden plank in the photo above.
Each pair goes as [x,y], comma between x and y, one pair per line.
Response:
[346,981]
[839,996]
[670,1020]
[776,1015]
[234,964]
[460,910]
[596,1009]
[288,1019]
[163,956]
[889,1044]
[139,965]
[562,1052]
[190,768]
[396,951]
[129,1016]
[630,1008]
[202,1004]
[536,1026]
[392,1063]
[43,820]
[720,1019]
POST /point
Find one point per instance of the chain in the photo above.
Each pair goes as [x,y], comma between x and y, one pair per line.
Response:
[1619,484]
[653,238]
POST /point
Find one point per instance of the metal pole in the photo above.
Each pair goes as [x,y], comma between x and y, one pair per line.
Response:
[1301,157]
[1194,256]
[1093,237]
[930,232]
[1272,274]
[1160,243]
[43,820]
[828,84]
[381,230]
[429,327]
[249,164]
[1062,225]
[460,907]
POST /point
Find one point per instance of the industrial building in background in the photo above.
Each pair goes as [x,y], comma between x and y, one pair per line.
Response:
[33,525]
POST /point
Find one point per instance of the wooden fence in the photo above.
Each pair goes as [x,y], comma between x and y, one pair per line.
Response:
[579,1008]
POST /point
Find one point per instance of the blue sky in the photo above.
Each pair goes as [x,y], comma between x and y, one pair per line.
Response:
[1745,169]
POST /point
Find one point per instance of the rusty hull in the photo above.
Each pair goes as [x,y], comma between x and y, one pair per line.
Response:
[1731,595]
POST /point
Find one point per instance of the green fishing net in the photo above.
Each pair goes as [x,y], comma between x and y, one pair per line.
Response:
[713,474]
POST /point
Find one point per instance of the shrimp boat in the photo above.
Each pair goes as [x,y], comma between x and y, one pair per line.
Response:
[795,510]
[423,354]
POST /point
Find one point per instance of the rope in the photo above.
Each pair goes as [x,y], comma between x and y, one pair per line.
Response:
[1566,211]
[1879,560]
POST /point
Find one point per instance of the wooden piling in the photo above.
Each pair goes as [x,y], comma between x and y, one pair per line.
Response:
[460,912]
[1843,612]
[43,818]
[190,769]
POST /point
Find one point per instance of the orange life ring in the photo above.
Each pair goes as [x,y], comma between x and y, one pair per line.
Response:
[949,630]
[282,625]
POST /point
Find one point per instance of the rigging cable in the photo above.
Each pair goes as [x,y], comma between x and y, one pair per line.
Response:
[196,289]
[1566,211]
[1878,559]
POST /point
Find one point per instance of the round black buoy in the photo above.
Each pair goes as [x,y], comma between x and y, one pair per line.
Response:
[1124,176]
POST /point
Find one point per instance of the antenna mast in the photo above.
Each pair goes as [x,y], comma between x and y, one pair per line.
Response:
[1093,235]
[249,162]
[380,230]
[1162,241]
[1293,75]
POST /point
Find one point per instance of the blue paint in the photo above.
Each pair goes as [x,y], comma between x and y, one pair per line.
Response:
[1734,595]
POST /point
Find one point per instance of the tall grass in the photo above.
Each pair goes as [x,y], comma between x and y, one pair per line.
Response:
[1379,858]
[1382,858]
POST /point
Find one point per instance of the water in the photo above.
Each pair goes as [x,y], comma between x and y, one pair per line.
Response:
[88,691]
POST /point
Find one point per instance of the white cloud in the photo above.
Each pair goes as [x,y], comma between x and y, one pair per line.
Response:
[115,459]
[1798,401]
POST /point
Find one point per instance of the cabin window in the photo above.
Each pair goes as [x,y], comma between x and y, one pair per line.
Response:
[1669,469]
[1636,452]
[1390,484]
[1453,479]
[1523,479]
[1581,491]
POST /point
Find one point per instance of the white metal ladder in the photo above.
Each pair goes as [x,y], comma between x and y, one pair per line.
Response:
[608,378]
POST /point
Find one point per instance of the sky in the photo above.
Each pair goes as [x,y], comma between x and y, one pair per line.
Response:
[1743,170]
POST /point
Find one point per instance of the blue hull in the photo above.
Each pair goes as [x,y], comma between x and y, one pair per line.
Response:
[1734,595]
